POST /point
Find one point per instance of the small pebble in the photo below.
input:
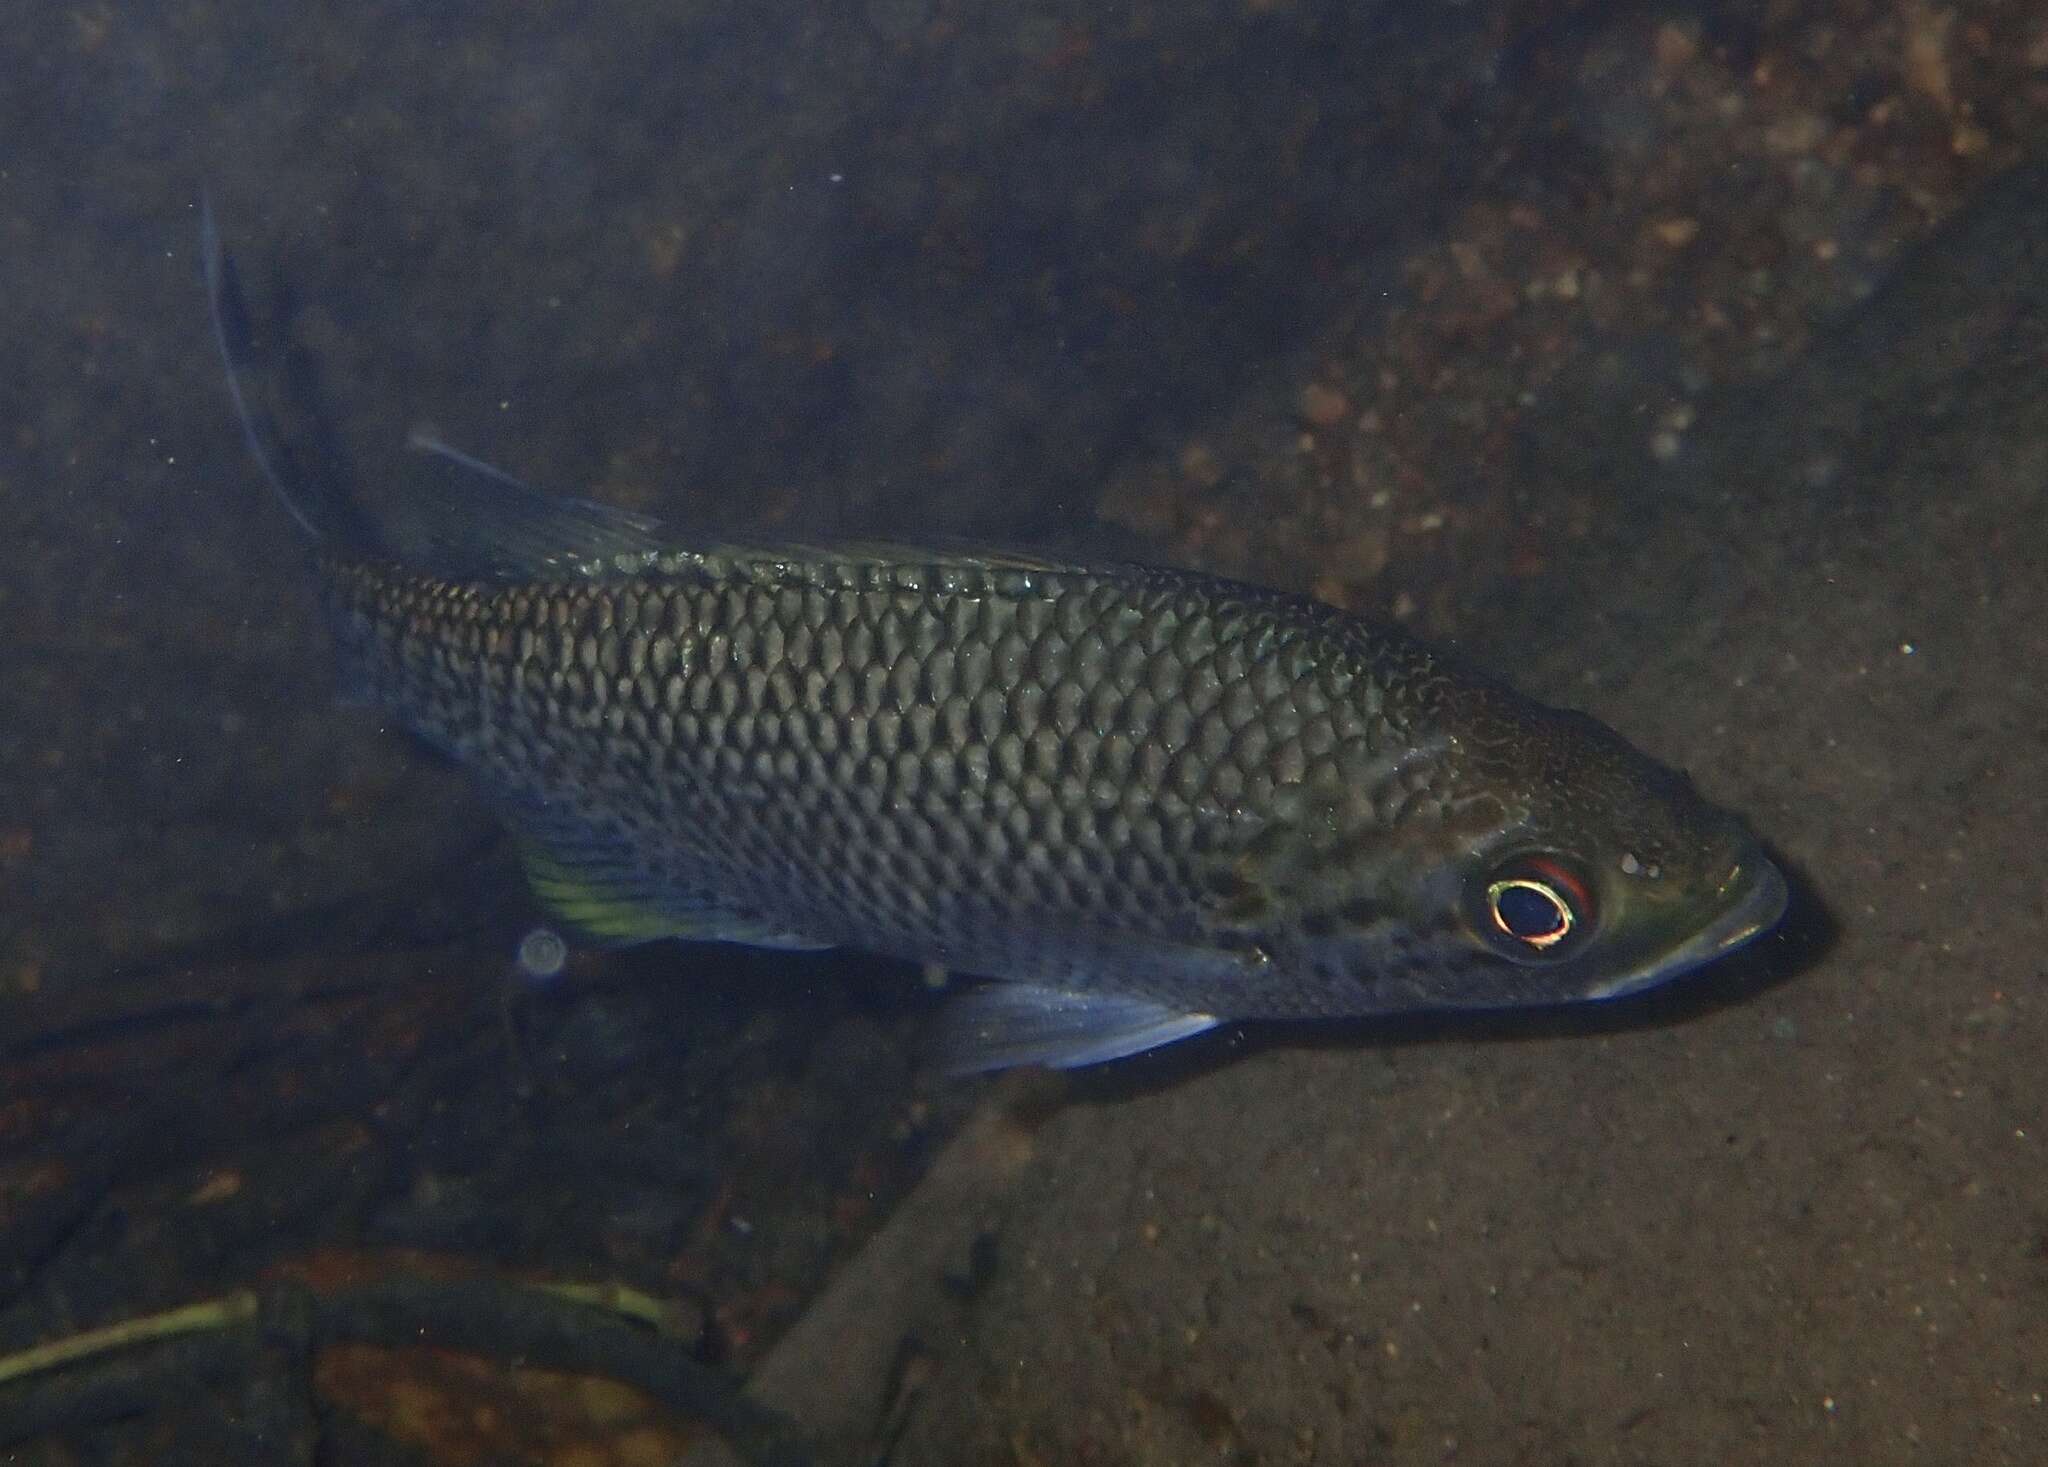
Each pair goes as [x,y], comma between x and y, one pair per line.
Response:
[1325,407]
[1675,46]
[1678,233]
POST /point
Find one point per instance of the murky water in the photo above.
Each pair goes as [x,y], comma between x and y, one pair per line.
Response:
[1682,364]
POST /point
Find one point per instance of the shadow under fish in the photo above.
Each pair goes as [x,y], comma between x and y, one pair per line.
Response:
[1141,802]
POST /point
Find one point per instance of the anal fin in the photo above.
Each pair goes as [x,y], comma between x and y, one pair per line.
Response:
[1000,1025]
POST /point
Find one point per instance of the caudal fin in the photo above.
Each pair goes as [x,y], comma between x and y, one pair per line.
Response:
[309,476]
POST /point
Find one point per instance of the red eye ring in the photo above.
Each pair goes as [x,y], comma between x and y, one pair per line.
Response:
[1578,896]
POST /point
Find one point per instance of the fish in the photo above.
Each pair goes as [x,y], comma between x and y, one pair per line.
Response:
[1133,803]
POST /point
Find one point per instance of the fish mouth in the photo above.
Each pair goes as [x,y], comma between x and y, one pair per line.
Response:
[1759,898]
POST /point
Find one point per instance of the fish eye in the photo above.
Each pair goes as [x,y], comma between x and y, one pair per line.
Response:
[1535,907]
[1530,911]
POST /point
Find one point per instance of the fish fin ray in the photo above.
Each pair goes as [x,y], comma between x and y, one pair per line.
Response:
[467,518]
[584,881]
[464,518]
[476,519]
[471,519]
[309,478]
[1000,1025]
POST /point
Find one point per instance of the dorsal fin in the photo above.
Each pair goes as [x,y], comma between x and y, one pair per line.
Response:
[462,518]
[473,520]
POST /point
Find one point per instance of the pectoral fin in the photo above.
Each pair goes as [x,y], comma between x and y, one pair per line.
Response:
[586,882]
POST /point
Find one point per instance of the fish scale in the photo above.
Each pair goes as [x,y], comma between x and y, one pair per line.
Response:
[975,767]
[1144,801]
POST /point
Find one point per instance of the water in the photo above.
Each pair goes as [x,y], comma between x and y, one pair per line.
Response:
[1682,365]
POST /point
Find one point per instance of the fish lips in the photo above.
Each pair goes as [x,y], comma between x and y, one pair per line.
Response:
[1759,900]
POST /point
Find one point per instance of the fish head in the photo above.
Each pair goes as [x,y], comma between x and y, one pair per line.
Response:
[1611,875]
[1532,857]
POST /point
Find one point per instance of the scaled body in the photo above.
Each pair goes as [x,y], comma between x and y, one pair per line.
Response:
[1052,774]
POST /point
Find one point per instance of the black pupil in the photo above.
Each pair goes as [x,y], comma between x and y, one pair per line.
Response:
[1529,913]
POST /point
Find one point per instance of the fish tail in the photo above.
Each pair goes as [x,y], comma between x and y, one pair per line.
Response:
[309,475]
